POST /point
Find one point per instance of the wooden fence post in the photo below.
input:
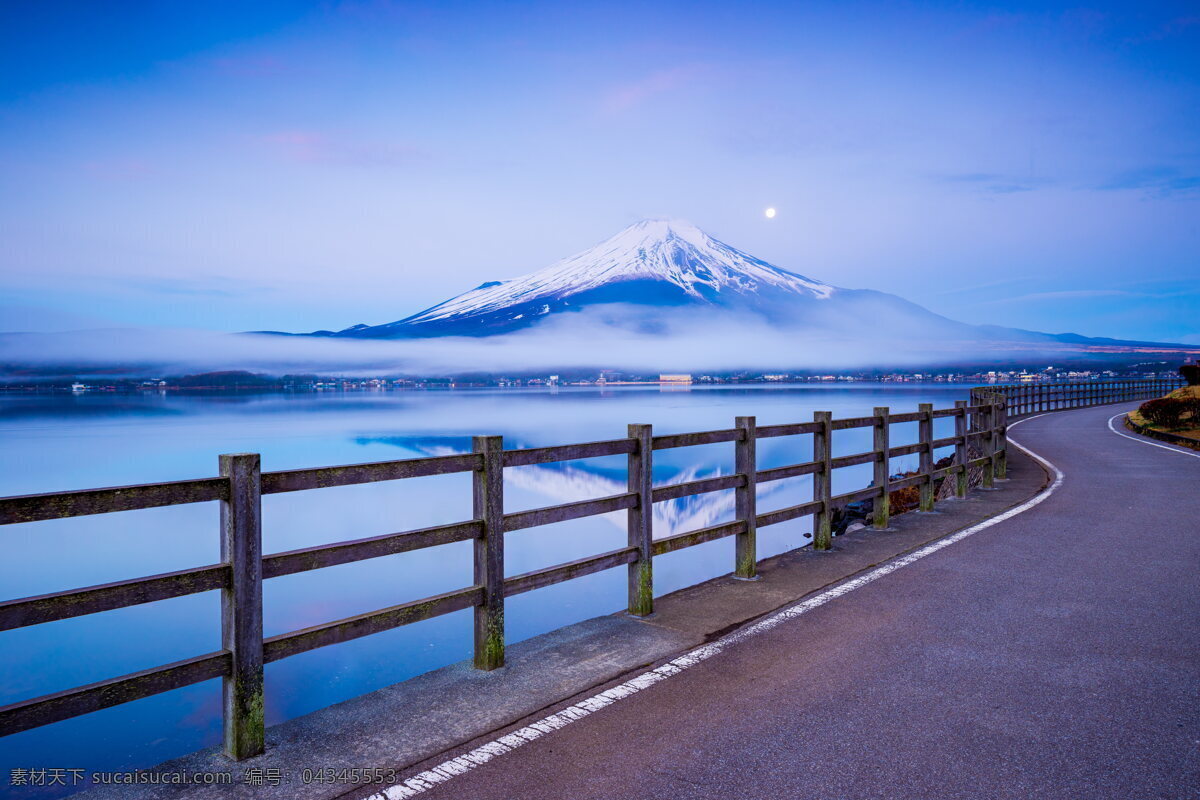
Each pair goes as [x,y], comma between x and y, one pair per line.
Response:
[823,481]
[883,466]
[641,521]
[988,421]
[745,500]
[487,485]
[1002,439]
[241,606]
[925,457]
[963,476]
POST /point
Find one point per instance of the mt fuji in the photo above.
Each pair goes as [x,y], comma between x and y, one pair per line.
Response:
[654,265]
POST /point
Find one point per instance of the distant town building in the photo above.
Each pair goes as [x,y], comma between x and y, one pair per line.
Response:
[671,378]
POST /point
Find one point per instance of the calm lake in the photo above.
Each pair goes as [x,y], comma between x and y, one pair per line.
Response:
[59,442]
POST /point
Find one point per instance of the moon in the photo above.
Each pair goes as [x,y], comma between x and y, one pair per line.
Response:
[770,212]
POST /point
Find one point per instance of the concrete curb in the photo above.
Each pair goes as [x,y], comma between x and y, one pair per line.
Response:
[1162,436]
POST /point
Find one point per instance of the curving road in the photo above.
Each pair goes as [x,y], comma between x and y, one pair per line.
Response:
[1054,654]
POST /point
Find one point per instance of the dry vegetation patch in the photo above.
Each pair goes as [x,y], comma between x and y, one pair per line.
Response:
[1177,413]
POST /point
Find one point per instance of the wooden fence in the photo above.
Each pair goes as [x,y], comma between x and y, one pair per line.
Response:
[1023,399]
[979,428]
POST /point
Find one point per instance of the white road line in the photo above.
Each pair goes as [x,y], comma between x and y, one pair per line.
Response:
[1144,440]
[424,781]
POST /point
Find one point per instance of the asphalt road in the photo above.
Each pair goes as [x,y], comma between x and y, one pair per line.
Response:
[1053,655]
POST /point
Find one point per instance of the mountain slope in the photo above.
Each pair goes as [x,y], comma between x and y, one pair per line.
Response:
[653,264]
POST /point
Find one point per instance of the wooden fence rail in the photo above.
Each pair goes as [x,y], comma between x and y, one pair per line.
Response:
[979,427]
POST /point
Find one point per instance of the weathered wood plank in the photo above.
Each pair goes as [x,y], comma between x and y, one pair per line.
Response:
[843,500]
[883,466]
[296,480]
[745,555]
[823,481]
[852,422]
[487,502]
[639,521]
[678,541]
[851,461]
[962,475]
[44,710]
[789,471]
[534,517]
[242,607]
[906,449]
[697,438]
[344,630]
[925,432]
[901,483]
[329,555]
[567,452]
[989,447]
[1002,441]
[912,416]
[790,429]
[703,486]
[56,505]
[785,514]
[108,596]
[528,581]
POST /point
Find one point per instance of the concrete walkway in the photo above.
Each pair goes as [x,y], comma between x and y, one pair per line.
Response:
[1055,654]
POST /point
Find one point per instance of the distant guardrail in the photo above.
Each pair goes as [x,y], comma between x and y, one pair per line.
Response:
[1023,399]
[980,427]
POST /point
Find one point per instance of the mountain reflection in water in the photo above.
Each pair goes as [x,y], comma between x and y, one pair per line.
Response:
[587,479]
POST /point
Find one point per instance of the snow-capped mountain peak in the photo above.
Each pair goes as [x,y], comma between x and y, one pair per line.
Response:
[670,251]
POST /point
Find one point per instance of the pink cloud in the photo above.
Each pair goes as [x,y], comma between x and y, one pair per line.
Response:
[631,95]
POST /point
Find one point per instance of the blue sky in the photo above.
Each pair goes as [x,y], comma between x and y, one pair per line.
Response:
[312,165]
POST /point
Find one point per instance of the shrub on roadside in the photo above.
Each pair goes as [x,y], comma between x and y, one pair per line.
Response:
[1191,412]
[1166,412]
